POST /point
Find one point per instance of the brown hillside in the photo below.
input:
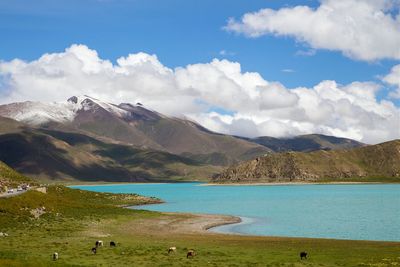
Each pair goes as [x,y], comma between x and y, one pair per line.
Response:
[375,162]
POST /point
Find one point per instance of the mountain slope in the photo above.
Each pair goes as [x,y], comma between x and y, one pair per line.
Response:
[135,125]
[306,143]
[375,162]
[51,154]
[11,178]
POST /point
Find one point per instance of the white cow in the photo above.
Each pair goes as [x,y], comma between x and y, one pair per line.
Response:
[99,243]
[171,249]
[55,256]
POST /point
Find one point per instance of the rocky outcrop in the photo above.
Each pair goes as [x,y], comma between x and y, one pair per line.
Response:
[378,161]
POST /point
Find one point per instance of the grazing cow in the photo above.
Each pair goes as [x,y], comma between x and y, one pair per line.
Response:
[191,253]
[112,244]
[55,256]
[99,243]
[303,255]
[171,249]
[94,250]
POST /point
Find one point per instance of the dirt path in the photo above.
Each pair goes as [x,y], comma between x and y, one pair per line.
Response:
[15,193]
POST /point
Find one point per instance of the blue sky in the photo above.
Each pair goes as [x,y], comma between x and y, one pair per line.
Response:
[326,66]
[180,32]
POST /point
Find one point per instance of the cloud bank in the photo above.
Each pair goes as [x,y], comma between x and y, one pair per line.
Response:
[247,104]
[361,29]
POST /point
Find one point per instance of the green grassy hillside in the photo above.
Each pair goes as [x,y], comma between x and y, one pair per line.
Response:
[61,203]
[70,221]
[370,163]
[10,178]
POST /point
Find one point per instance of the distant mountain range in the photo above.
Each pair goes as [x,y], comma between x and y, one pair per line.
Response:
[88,139]
[370,163]
[305,143]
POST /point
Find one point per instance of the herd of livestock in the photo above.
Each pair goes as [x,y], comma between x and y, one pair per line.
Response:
[99,243]
[190,253]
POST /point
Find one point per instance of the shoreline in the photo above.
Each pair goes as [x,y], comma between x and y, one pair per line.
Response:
[190,223]
[112,183]
[224,184]
[173,223]
[200,223]
[289,183]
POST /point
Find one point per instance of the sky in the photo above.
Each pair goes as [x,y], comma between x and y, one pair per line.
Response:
[251,68]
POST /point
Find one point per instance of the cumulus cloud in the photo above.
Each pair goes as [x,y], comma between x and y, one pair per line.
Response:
[257,106]
[362,29]
[393,78]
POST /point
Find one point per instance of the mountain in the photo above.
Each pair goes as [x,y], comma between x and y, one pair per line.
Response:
[53,154]
[306,143]
[11,178]
[87,139]
[369,163]
[135,125]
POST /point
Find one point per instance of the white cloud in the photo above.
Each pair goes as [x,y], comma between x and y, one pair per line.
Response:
[306,53]
[393,78]
[259,107]
[226,53]
[288,70]
[361,29]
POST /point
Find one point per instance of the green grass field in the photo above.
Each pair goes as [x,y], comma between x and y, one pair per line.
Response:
[75,219]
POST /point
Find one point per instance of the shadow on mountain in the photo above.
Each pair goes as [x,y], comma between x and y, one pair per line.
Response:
[64,155]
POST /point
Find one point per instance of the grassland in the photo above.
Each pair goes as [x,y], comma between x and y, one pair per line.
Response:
[11,178]
[75,219]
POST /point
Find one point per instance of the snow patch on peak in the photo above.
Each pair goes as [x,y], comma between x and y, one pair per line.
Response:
[89,103]
[36,113]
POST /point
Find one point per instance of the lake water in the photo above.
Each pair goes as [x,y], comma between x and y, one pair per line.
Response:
[358,211]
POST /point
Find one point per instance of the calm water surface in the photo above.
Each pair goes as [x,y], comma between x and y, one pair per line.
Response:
[365,212]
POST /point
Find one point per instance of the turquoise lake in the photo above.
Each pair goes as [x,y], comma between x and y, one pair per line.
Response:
[357,211]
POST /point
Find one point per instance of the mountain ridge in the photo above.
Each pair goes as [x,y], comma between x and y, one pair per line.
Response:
[305,143]
[374,162]
[61,155]
[134,125]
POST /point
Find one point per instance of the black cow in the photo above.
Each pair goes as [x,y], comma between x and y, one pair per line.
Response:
[94,250]
[112,244]
[191,253]
[303,255]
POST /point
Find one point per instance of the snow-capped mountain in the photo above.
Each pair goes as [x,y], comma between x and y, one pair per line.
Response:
[134,125]
[37,113]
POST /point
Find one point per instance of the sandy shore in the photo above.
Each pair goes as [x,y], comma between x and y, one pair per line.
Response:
[204,222]
[181,223]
